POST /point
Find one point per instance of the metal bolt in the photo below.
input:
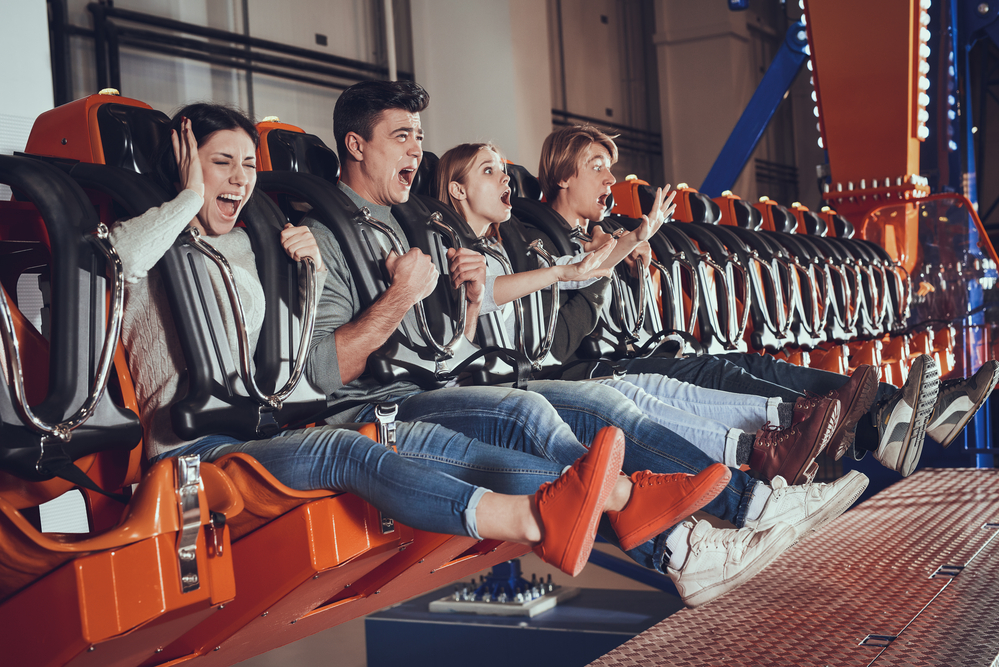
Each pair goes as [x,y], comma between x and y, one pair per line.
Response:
[66,141]
[347,586]
[983,8]
[377,592]
[221,606]
[294,622]
[315,576]
[91,649]
[421,560]
[159,650]
[217,648]
[264,614]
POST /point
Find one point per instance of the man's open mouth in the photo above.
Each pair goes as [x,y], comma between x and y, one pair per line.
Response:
[406,176]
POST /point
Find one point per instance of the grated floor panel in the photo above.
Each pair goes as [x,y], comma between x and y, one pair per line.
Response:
[873,571]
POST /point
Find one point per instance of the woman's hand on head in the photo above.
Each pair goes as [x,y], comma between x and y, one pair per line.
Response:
[185,150]
[299,243]
[662,208]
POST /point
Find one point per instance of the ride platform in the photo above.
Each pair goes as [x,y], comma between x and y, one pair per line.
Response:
[909,577]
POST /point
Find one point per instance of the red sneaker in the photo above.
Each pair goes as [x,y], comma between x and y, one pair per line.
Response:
[570,507]
[659,502]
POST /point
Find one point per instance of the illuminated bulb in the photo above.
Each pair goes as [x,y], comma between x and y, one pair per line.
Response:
[924,51]
[924,35]
[821,145]
[801,5]
[923,132]
[952,145]
[815,97]
[818,128]
[811,81]
[924,67]
[924,83]
[924,100]
[950,71]
[923,116]
[815,110]
[802,19]
[726,193]
[950,100]
[809,64]
[925,4]
[764,198]
[807,50]
[803,37]
[924,18]
[951,114]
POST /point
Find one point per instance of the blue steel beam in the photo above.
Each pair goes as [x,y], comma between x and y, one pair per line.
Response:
[761,108]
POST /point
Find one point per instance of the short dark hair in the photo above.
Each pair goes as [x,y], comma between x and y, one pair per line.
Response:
[359,106]
[206,118]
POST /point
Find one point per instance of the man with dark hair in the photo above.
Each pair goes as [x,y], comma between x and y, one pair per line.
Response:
[381,149]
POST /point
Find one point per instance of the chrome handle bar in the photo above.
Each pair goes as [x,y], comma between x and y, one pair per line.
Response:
[63,430]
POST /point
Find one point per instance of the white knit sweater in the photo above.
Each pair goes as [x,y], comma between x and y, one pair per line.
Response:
[154,353]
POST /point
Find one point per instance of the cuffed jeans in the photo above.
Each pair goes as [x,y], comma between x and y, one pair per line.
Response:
[401,486]
[553,418]
[724,416]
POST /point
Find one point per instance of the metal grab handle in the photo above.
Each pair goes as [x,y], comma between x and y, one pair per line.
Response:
[675,304]
[747,296]
[632,335]
[63,430]
[276,399]
[485,246]
[695,289]
[782,325]
[441,352]
[857,295]
[841,309]
[436,221]
[538,248]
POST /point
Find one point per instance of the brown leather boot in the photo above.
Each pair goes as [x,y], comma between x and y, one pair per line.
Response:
[791,452]
[856,397]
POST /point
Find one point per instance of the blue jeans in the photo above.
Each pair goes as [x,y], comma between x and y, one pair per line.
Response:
[553,418]
[724,415]
[401,486]
[818,381]
[762,375]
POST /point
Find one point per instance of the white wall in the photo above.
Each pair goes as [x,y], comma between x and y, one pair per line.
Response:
[26,77]
[486,66]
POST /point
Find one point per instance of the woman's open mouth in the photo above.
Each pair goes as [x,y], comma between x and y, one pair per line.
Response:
[229,204]
[505,198]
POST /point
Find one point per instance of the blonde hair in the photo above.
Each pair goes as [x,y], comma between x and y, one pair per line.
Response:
[454,166]
[562,151]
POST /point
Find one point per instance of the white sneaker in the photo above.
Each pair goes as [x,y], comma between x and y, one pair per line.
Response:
[902,419]
[959,400]
[808,507]
[722,559]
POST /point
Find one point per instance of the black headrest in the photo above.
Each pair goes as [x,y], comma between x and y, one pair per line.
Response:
[703,209]
[783,220]
[746,215]
[523,183]
[814,225]
[304,153]
[131,135]
[844,228]
[423,179]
